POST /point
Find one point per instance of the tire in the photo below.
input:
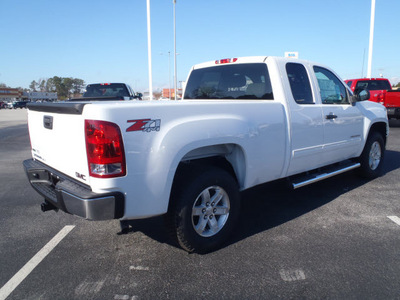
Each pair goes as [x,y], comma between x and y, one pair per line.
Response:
[371,158]
[204,208]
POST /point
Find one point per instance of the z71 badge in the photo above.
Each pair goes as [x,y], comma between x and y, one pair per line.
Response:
[146,125]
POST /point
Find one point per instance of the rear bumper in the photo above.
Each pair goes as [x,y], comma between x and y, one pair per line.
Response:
[393,112]
[71,196]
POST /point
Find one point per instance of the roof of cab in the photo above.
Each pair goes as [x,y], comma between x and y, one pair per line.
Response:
[247,59]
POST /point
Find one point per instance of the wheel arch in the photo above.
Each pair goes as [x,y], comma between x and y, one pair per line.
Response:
[381,128]
[229,157]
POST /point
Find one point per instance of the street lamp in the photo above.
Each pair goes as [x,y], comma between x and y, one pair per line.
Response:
[175,68]
[149,51]
[371,39]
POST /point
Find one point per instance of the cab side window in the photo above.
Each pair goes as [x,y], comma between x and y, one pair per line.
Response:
[331,89]
[299,83]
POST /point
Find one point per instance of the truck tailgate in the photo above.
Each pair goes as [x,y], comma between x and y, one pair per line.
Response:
[58,138]
[392,99]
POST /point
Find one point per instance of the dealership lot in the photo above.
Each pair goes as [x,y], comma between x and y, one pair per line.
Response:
[337,239]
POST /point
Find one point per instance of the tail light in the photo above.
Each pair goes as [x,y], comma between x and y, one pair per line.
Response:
[105,149]
[380,98]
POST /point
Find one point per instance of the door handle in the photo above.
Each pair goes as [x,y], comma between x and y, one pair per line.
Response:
[331,116]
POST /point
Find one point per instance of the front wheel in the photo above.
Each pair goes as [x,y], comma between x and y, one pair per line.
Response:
[371,159]
[204,209]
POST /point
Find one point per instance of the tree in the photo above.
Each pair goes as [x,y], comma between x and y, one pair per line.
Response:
[33,86]
[65,87]
[78,85]
[3,85]
[50,86]
[42,85]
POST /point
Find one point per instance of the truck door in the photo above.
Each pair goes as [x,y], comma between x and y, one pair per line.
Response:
[306,125]
[343,122]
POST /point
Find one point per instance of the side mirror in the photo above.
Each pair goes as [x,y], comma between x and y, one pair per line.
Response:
[139,96]
[361,94]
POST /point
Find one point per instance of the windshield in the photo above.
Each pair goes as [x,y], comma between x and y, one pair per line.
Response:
[106,90]
[374,85]
[241,81]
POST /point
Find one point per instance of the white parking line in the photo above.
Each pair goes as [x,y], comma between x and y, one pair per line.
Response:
[395,219]
[10,286]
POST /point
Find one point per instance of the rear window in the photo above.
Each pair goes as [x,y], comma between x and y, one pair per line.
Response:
[106,90]
[373,85]
[241,81]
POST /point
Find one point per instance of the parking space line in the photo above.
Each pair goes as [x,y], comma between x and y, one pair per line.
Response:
[395,219]
[10,286]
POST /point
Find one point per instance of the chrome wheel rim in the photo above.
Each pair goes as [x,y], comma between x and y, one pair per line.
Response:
[375,156]
[210,211]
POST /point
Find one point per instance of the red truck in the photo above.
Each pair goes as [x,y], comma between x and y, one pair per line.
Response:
[381,92]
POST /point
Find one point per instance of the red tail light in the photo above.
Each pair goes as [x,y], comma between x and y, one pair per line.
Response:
[105,149]
[381,98]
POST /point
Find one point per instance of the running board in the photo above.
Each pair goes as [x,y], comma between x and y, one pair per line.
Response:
[303,180]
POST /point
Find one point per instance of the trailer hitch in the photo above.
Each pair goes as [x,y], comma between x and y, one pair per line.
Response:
[46,206]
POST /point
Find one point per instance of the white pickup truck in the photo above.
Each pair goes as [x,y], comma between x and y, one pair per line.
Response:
[242,122]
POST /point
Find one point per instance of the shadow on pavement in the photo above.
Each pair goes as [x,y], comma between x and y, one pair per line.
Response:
[272,204]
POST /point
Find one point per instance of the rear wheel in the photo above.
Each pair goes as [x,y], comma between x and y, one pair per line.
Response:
[204,209]
[371,159]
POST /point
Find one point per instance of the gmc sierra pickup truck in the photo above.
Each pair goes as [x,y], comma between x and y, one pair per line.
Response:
[242,122]
[381,92]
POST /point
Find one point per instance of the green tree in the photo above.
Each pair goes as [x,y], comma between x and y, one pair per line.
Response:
[65,87]
[42,85]
[50,86]
[33,86]
[78,85]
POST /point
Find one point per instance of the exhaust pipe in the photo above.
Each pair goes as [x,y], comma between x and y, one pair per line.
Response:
[46,206]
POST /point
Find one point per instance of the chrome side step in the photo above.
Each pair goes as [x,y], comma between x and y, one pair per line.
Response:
[325,173]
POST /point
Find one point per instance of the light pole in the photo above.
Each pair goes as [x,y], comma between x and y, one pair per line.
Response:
[169,75]
[149,51]
[175,68]
[371,39]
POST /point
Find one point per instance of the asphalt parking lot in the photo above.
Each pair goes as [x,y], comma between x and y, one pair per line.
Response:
[337,239]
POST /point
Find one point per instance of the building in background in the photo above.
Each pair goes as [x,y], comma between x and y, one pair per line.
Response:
[40,96]
[10,95]
[169,93]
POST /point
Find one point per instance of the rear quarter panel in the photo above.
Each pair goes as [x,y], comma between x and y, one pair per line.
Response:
[258,128]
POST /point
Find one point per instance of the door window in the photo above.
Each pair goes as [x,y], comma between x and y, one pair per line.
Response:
[299,83]
[331,89]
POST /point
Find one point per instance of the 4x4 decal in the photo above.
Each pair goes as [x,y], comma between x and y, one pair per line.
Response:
[146,125]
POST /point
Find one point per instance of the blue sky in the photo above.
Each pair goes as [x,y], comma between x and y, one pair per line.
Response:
[106,41]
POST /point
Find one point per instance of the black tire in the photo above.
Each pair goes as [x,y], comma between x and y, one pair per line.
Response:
[371,158]
[198,222]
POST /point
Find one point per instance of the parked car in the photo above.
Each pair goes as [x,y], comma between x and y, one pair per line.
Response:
[3,105]
[19,104]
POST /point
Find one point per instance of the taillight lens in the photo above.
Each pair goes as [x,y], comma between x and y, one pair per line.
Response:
[105,149]
[381,98]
